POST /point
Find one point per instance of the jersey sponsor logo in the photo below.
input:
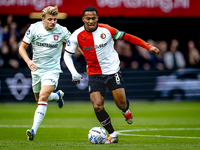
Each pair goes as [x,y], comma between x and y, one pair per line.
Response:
[103,35]
[68,43]
[47,45]
[57,33]
[56,37]
[83,39]
[28,32]
[95,47]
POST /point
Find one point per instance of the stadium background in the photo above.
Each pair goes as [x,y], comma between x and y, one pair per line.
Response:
[147,19]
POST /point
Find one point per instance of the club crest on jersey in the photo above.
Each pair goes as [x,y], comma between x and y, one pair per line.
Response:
[56,37]
[103,35]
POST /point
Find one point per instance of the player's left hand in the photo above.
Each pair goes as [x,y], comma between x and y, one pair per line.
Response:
[154,50]
[76,78]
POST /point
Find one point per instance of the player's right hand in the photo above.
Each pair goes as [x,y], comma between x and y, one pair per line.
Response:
[76,78]
[31,64]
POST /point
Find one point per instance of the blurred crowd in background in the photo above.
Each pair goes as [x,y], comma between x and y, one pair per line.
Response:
[131,56]
[10,39]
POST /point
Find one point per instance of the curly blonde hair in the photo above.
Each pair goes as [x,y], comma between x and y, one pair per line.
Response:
[50,10]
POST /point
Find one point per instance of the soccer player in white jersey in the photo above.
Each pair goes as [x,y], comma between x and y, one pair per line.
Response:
[47,39]
[97,45]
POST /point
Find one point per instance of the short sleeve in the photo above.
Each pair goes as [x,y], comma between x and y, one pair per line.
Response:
[29,35]
[71,44]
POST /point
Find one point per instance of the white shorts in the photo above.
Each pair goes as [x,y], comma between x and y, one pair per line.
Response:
[48,78]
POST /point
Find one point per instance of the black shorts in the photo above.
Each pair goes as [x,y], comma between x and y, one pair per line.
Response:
[98,83]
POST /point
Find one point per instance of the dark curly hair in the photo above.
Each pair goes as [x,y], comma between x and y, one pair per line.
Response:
[90,8]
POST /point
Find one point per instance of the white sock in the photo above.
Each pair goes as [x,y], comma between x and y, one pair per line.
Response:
[53,96]
[114,134]
[39,115]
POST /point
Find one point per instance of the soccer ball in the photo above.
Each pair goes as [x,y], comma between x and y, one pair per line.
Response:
[97,135]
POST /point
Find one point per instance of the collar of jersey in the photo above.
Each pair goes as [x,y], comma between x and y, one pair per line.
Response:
[92,30]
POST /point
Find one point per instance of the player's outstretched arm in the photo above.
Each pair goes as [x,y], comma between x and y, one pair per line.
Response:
[138,41]
[76,77]
[31,63]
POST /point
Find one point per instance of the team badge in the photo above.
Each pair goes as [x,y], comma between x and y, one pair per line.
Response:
[103,35]
[56,37]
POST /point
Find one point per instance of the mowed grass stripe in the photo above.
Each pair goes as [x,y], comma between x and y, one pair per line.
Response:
[67,128]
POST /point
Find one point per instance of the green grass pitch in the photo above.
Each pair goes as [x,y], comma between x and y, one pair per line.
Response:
[156,126]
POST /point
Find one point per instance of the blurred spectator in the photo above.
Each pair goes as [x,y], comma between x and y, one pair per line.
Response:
[9,56]
[173,58]
[125,53]
[14,30]
[1,61]
[5,55]
[143,59]
[12,39]
[119,47]
[1,35]
[163,46]
[9,20]
[192,56]
[14,58]
[23,30]
[6,33]
[1,43]
[137,58]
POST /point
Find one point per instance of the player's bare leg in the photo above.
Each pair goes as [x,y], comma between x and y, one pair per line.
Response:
[98,104]
[97,101]
[120,100]
[36,96]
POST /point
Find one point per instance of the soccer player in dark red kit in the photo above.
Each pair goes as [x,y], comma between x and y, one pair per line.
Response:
[97,45]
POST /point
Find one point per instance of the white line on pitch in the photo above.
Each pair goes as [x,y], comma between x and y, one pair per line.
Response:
[161,129]
[165,129]
[159,136]
[120,132]
[28,126]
